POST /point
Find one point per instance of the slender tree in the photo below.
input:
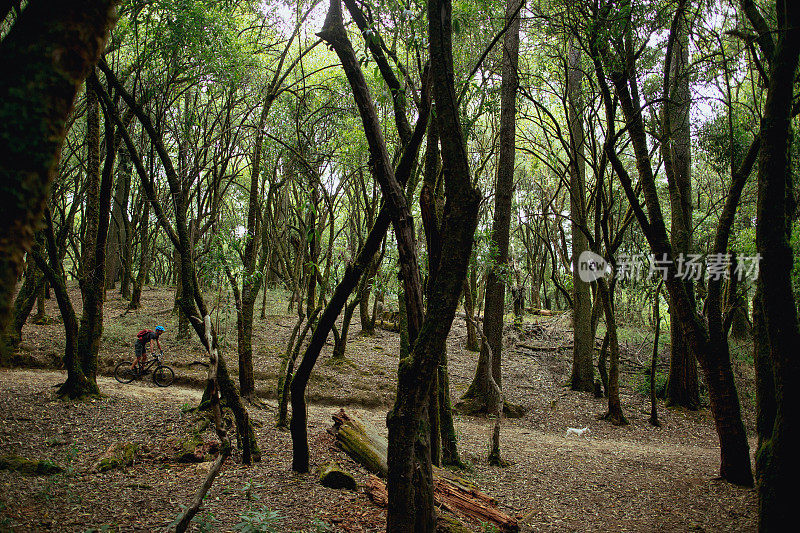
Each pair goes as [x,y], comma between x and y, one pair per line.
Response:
[481,388]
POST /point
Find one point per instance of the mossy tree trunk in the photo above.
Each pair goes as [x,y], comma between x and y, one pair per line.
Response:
[93,252]
[28,294]
[682,384]
[778,461]
[47,54]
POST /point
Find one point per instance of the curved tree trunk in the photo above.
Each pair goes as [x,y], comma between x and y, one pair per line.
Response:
[29,292]
[55,43]
[53,270]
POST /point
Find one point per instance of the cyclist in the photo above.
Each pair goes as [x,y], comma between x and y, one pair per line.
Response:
[143,338]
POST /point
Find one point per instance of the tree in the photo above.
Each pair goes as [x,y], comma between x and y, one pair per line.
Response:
[479,392]
[52,46]
[777,463]
[582,378]
[93,251]
[676,146]
[410,475]
[704,338]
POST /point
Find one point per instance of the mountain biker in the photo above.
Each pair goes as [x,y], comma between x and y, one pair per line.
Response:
[143,338]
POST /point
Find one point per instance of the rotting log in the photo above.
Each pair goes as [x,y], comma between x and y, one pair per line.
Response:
[455,495]
[466,504]
[362,443]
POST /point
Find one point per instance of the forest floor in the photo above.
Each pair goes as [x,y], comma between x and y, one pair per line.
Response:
[631,478]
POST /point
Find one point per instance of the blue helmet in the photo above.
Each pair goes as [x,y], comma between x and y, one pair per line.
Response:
[160,329]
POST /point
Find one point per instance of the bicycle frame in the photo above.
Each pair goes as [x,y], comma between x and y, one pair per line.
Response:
[155,360]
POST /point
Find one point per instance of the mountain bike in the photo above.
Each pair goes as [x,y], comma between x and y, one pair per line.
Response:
[163,376]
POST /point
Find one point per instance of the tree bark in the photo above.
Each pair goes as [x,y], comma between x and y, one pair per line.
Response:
[93,251]
[29,292]
[52,44]
[778,463]
[582,378]
[481,390]
[682,383]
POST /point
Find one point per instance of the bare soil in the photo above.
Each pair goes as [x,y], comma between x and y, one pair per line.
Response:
[632,478]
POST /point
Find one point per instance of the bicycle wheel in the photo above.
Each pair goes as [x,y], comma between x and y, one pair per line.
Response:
[123,372]
[163,376]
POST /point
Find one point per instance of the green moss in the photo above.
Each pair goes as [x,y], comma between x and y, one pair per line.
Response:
[448,524]
[31,467]
[332,476]
[117,455]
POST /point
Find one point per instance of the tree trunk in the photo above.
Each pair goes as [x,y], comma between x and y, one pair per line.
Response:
[340,346]
[118,228]
[354,272]
[144,256]
[654,359]
[765,381]
[735,303]
[778,462]
[28,294]
[93,252]
[682,384]
[614,406]
[480,390]
[54,271]
[582,378]
[55,43]
[469,309]
[410,476]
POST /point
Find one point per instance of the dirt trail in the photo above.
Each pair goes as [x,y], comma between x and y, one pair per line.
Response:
[515,434]
[610,481]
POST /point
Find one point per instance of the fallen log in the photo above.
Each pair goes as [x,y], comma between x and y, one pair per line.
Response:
[452,494]
[466,504]
[363,444]
[543,348]
[542,312]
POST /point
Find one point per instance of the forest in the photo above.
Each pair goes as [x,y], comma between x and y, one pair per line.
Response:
[413,266]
